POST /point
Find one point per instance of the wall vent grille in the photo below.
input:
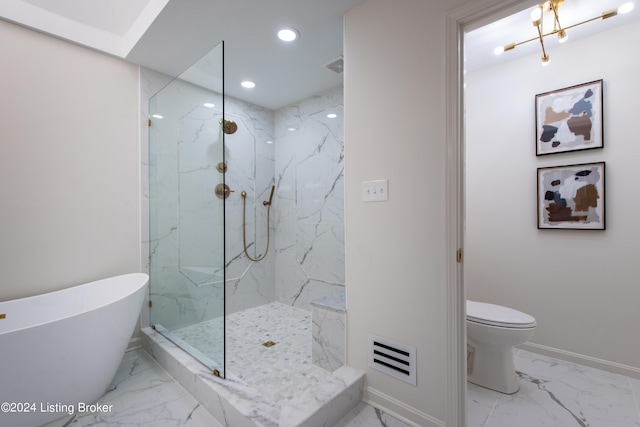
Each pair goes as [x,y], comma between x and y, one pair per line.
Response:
[393,358]
[336,65]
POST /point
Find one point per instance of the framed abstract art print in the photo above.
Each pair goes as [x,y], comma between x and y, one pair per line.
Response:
[569,119]
[571,197]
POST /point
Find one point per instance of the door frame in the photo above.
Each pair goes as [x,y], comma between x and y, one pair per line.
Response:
[471,15]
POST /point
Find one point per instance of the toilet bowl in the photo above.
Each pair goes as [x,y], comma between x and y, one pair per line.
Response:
[492,332]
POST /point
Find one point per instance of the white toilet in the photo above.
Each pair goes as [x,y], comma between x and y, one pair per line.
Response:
[492,332]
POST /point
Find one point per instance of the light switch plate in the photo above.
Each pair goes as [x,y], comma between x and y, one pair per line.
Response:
[375,191]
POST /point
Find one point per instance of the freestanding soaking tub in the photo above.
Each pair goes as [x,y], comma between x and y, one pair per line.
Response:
[60,351]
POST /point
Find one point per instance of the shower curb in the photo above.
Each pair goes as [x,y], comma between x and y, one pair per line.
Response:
[234,403]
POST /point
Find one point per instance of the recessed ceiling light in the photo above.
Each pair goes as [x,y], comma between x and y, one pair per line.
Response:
[269,142]
[248,84]
[332,115]
[157,116]
[288,34]
[208,105]
[291,129]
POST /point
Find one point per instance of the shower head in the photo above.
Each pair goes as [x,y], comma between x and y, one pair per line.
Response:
[228,126]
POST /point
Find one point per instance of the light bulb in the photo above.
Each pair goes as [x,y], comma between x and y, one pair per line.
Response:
[498,50]
[625,8]
[562,36]
[536,14]
[545,59]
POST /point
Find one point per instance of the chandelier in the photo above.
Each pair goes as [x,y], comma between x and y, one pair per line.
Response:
[552,7]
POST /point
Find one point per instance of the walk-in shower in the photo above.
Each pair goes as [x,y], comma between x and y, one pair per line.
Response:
[230,183]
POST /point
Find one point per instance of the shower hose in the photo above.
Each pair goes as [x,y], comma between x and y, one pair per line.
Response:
[244,224]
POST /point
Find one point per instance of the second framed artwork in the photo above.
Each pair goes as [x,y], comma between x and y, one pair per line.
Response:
[571,197]
[569,119]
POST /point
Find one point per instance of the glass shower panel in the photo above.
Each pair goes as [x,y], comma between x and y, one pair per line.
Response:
[187,210]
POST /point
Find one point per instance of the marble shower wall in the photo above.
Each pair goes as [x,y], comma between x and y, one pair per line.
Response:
[249,153]
[185,217]
[186,235]
[309,221]
[306,249]
[306,255]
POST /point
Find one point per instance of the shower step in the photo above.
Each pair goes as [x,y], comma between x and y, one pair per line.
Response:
[321,401]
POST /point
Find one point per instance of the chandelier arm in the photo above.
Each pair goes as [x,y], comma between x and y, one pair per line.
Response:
[541,37]
[604,15]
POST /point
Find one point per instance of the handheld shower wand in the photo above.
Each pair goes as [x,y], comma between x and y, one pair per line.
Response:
[244,222]
[265,203]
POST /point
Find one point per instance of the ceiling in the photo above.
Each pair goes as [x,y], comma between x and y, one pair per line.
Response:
[170,35]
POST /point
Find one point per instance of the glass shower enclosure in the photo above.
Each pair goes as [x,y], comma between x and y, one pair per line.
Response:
[186,204]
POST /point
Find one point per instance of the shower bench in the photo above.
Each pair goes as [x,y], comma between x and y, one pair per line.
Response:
[328,315]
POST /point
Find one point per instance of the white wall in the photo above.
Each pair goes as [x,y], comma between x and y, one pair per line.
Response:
[395,251]
[69,164]
[581,286]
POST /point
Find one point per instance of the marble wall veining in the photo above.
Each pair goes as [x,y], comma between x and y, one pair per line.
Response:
[329,331]
[249,153]
[305,260]
[309,170]
[299,150]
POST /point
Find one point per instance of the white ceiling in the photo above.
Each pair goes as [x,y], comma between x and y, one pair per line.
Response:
[170,35]
[112,16]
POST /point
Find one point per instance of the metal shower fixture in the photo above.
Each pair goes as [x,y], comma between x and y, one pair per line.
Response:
[228,126]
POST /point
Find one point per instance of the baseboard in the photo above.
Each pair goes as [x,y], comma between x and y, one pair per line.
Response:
[594,362]
[397,409]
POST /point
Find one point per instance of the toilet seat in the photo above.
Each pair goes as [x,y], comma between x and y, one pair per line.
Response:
[497,315]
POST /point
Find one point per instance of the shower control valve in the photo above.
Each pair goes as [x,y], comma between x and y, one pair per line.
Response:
[221,167]
[223,191]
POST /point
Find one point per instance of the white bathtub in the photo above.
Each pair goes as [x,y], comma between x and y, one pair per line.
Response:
[60,351]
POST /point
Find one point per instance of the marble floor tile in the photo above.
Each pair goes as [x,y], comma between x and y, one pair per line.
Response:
[553,393]
[635,387]
[143,394]
[480,405]
[557,393]
[368,416]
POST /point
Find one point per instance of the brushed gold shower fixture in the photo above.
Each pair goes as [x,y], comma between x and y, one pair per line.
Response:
[228,126]
[221,167]
[244,223]
[223,191]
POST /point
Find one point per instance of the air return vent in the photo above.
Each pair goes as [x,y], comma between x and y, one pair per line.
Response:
[392,358]
[335,65]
